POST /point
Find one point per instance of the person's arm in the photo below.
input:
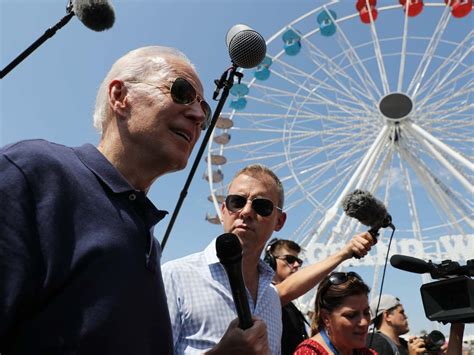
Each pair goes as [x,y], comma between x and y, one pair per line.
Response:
[306,278]
[236,341]
[173,289]
[456,334]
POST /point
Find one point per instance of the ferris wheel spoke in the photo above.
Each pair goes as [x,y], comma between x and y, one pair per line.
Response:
[438,191]
[401,71]
[318,97]
[274,98]
[351,55]
[412,208]
[455,60]
[447,165]
[290,71]
[378,53]
[450,94]
[313,230]
[373,150]
[332,70]
[421,133]
[384,167]
[428,55]
[371,173]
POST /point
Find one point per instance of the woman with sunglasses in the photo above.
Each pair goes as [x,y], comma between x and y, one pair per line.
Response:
[341,317]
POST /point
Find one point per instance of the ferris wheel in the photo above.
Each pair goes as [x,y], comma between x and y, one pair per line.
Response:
[362,95]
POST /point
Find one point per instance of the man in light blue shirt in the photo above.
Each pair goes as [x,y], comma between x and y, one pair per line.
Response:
[197,288]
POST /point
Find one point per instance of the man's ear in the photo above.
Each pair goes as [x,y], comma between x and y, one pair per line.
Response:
[118,100]
[280,221]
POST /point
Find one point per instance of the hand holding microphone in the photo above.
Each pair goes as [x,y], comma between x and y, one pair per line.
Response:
[236,341]
[360,245]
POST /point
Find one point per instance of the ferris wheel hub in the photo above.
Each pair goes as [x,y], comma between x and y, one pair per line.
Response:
[396,106]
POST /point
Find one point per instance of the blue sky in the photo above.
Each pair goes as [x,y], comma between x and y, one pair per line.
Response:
[51,94]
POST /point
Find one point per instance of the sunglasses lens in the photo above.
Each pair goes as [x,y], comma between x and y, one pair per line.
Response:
[235,202]
[263,206]
[182,92]
[291,259]
[208,113]
[338,278]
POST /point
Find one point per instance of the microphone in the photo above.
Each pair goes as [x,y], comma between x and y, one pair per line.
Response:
[437,271]
[247,48]
[410,264]
[369,211]
[229,252]
[98,15]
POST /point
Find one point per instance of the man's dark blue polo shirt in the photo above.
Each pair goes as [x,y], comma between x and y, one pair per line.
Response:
[79,267]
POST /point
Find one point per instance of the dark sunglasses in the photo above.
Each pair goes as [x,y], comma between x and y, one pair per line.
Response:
[263,206]
[338,278]
[290,259]
[182,92]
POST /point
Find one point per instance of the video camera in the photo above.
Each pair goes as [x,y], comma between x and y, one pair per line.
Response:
[450,300]
[433,341]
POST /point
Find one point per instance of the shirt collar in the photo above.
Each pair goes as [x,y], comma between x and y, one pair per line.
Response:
[102,168]
[96,162]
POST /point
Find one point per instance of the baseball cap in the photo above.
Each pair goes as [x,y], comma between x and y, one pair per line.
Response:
[386,302]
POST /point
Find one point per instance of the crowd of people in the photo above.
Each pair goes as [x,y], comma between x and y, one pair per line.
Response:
[80,269]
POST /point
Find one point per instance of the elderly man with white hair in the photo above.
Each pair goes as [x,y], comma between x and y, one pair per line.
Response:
[79,266]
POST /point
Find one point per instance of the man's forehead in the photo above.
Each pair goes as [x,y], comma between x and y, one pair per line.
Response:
[285,250]
[249,176]
[183,69]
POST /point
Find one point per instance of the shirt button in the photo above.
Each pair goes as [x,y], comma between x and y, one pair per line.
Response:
[132,197]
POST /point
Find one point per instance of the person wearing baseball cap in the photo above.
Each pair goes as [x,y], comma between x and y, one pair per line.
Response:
[390,321]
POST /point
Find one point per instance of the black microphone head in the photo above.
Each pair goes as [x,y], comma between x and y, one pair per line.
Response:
[247,48]
[364,207]
[410,264]
[228,248]
[98,15]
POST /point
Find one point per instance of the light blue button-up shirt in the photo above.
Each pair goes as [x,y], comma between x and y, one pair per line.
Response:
[201,305]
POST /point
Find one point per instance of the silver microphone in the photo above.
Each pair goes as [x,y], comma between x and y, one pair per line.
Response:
[247,47]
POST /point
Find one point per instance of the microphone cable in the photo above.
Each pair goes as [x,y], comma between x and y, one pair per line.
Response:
[382,282]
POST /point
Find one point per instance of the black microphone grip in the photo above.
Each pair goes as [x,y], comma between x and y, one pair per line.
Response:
[237,285]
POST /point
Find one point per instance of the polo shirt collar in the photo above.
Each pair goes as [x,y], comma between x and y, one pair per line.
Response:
[102,168]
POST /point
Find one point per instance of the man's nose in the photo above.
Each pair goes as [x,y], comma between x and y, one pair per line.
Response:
[247,209]
[196,112]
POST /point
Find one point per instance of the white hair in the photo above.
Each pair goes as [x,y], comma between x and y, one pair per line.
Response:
[139,64]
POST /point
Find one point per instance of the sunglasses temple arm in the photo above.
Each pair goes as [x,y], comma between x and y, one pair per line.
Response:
[227,85]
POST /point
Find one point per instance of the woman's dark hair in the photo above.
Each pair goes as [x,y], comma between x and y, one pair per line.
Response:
[330,297]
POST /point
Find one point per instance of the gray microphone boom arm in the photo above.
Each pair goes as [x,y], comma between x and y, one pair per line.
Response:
[50,32]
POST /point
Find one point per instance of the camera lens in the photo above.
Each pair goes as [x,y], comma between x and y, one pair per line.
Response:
[434,340]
